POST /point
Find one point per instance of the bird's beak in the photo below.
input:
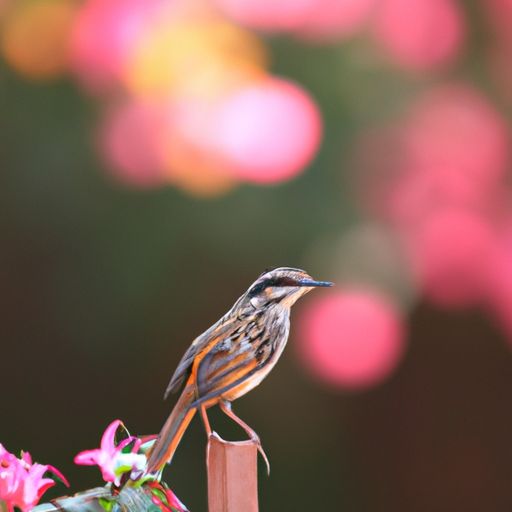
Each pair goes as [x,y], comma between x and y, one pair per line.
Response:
[311,283]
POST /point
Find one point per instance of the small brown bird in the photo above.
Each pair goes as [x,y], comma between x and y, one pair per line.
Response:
[232,357]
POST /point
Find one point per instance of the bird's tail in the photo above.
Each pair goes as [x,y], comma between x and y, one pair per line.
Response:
[172,432]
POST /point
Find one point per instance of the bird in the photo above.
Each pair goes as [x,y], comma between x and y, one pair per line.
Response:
[232,357]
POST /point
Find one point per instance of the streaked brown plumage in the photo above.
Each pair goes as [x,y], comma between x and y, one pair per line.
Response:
[233,356]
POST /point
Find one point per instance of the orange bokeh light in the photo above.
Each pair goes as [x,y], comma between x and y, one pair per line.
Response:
[35,37]
[196,57]
[190,160]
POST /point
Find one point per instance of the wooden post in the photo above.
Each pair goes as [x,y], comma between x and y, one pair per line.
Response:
[232,475]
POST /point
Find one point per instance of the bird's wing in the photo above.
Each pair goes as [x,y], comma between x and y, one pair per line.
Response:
[217,332]
[231,360]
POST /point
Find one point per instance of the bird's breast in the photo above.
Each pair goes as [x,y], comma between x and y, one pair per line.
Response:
[270,345]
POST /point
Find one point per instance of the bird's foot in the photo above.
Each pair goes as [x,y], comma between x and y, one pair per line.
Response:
[225,407]
[256,439]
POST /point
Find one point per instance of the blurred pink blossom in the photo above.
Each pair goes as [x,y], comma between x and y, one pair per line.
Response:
[420,35]
[449,150]
[353,338]
[130,142]
[269,15]
[103,37]
[22,482]
[113,460]
[455,125]
[330,20]
[320,20]
[450,254]
[268,131]
[421,192]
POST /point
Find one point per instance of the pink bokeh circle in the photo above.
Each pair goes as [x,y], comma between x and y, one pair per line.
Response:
[420,34]
[331,20]
[421,192]
[271,15]
[455,125]
[351,339]
[129,140]
[450,150]
[268,132]
[104,36]
[450,254]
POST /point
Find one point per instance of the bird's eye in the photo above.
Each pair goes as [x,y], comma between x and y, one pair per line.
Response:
[271,281]
[257,288]
[285,281]
[262,285]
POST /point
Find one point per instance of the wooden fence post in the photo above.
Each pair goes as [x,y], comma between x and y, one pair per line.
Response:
[232,475]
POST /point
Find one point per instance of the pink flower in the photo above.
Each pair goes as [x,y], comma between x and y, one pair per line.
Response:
[114,461]
[22,482]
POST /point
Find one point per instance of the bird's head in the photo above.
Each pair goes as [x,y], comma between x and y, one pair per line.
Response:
[282,286]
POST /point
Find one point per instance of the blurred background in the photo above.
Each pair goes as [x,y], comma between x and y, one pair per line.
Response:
[157,155]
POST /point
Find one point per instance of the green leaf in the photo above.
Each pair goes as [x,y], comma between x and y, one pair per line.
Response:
[159,494]
[106,504]
[121,470]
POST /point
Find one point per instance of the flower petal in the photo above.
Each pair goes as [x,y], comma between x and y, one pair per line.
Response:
[174,502]
[109,475]
[87,458]
[22,482]
[58,474]
[34,488]
[130,460]
[26,457]
[126,442]
[45,484]
[108,438]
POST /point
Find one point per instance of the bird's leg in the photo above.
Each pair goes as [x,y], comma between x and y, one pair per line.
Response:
[204,417]
[225,407]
